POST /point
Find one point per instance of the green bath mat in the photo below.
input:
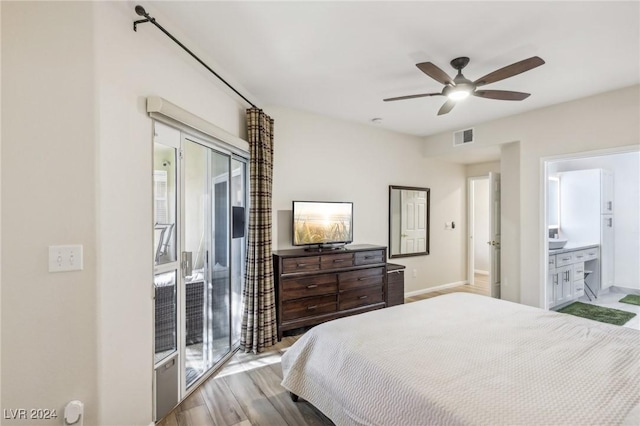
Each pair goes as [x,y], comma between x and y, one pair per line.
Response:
[632,299]
[598,313]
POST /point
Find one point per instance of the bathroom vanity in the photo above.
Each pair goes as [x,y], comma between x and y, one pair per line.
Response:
[567,267]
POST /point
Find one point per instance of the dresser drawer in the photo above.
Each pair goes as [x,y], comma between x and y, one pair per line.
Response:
[369,257]
[332,261]
[360,297]
[564,259]
[294,288]
[361,278]
[309,306]
[301,264]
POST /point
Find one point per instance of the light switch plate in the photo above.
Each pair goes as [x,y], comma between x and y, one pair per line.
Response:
[65,258]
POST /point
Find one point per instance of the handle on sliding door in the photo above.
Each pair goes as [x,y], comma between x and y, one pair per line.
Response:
[186,264]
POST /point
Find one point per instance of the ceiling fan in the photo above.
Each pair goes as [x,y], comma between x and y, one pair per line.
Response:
[460,87]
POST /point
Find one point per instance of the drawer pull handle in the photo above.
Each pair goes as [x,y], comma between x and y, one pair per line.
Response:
[363,297]
[312,286]
[591,253]
[311,308]
[369,257]
[362,278]
[338,260]
[566,258]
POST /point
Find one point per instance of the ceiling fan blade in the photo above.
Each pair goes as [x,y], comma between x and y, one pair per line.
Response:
[510,71]
[400,98]
[435,73]
[446,107]
[503,95]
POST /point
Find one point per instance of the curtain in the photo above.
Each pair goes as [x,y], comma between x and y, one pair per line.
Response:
[259,329]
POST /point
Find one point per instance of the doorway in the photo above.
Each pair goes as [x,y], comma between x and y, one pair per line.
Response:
[200,198]
[483,212]
[591,199]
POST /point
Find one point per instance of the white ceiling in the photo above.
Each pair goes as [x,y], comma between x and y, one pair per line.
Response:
[341,59]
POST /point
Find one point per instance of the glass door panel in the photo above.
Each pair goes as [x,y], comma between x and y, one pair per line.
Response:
[206,241]
[219,314]
[238,244]
[165,197]
[196,245]
[164,203]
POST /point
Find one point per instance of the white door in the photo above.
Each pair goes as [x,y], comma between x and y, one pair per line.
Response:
[494,233]
[413,221]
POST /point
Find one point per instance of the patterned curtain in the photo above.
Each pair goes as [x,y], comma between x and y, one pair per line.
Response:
[259,328]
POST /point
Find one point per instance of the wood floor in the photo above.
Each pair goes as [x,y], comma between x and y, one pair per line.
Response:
[247,391]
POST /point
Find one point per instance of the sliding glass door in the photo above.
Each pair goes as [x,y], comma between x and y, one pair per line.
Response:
[207,245]
[205,250]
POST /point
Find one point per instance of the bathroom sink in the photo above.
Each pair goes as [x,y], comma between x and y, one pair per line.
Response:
[556,243]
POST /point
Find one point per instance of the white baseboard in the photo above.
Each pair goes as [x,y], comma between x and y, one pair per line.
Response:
[436,288]
[480,272]
[626,290]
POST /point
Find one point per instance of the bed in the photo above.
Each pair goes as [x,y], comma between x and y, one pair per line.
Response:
[464,359]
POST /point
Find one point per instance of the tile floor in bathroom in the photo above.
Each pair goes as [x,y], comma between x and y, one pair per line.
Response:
[611,300]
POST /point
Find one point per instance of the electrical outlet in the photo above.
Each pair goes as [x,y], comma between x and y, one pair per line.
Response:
[415,273]
[65,258]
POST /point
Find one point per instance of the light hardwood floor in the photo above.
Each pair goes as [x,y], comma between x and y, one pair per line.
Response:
[247,391]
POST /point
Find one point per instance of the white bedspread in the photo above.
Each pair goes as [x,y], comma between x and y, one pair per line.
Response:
[468,360]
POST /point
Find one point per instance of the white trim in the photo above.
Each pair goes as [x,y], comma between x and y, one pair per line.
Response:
[480,272]
[156,104]
[436,288]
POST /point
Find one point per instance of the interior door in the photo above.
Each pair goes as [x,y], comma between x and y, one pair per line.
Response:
[413,221]
[494,232]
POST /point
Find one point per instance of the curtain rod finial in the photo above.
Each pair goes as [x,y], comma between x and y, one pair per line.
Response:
[140,11]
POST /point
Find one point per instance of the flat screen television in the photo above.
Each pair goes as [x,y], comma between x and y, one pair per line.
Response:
[322,223]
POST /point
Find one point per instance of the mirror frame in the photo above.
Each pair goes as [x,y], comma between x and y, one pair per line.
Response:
[428,215]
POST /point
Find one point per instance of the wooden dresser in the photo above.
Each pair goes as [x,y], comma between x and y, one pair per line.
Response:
[317,286]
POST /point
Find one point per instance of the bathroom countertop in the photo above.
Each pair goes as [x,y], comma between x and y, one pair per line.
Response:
[572,247]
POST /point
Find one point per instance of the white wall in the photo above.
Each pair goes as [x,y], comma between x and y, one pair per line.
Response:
[49,350]
[320,158]
[603,121]
[482,169]
[78,141]
[626,188]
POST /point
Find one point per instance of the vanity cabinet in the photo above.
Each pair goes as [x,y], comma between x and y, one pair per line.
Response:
[317,286]
[566,273]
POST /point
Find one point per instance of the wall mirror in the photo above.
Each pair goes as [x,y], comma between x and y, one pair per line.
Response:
[408,221]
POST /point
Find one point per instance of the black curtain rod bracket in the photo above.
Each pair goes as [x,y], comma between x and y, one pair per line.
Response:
[140,11]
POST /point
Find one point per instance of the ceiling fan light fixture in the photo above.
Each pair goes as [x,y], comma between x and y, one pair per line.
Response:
[458,95]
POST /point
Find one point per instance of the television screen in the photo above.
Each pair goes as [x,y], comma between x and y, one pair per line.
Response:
[318,222]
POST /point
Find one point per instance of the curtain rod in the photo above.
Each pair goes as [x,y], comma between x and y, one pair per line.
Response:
[140,11]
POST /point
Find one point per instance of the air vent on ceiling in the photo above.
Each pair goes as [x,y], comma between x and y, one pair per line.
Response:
[463,137]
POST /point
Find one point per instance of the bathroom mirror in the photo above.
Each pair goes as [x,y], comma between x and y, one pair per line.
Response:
[408,221]
[553,203]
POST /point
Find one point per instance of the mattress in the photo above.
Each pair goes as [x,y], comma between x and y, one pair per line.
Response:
[464,359]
